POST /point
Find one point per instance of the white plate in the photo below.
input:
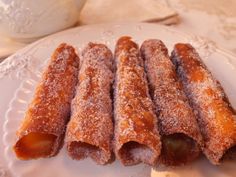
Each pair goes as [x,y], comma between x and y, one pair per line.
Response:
[20,73]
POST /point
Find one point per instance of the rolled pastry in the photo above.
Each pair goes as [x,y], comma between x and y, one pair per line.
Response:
[136,137]
[216,117]
[181,137]
[90,130]
[42,130]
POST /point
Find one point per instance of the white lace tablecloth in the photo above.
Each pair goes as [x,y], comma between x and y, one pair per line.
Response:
[212,19]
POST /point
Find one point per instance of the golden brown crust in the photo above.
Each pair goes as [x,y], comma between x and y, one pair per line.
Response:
[90,129]
[216,118]
[49,110]
[136,137]
[175,116]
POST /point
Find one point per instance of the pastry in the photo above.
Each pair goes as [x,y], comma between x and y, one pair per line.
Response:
[42,131]
[216,117]
[180,134]
[90,130]
[136,137]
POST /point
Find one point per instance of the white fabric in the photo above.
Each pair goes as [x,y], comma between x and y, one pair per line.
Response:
[103,11]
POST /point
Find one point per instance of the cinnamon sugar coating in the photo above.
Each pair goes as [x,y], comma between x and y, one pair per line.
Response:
[90,129]
[175,116]
[216,118]
[136,137]
[49,111]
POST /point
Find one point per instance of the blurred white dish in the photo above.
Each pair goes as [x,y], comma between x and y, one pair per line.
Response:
[20,73]
[9,46]
[27,19]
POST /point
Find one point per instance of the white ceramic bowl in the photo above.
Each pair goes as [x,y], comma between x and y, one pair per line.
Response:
[27,19]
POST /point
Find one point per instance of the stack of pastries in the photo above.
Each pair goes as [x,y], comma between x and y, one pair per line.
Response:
[139,105]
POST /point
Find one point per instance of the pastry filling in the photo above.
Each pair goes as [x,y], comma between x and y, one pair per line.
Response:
[81,150]
[134,152]
[35,145]
[178,149]
[229,154]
